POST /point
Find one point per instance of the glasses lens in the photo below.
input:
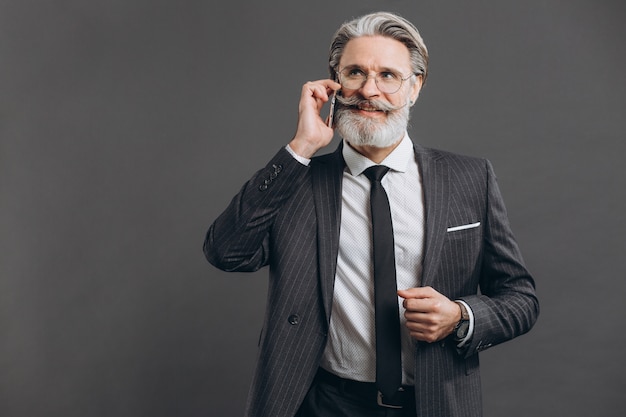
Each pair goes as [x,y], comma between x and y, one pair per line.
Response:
[388,82]
[354,78]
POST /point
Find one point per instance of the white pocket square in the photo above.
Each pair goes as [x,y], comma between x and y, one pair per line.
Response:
[463,227]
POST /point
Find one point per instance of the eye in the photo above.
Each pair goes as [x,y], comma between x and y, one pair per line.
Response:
[389,76]
[355,73]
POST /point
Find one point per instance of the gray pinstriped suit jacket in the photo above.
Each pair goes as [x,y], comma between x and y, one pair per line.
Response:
[287,216]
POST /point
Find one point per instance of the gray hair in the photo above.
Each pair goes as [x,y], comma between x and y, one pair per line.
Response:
[384,24]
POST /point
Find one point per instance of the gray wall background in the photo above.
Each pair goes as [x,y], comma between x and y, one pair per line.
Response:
[127,126]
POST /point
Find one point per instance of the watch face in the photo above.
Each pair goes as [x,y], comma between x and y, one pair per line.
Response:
[461,332]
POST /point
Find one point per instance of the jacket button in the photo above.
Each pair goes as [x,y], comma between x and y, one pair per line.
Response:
[263,187]
[294,319]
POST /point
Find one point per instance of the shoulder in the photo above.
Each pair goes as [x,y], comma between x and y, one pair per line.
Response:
[455,161]
[439,154]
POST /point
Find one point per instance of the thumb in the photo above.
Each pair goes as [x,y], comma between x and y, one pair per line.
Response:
[408,293]
[417,292]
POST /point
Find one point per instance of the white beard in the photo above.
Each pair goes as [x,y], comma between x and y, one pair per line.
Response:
[360,130]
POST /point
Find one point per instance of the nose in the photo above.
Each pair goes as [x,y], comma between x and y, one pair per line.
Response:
[369,87]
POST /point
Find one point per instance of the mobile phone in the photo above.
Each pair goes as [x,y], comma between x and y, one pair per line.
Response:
[331,112]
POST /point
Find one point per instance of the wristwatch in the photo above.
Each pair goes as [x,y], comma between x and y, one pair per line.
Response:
[462,327]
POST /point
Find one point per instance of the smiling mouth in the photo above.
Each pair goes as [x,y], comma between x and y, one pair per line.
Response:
[368,109]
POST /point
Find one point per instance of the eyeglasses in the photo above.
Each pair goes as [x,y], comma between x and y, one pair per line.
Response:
[388,82]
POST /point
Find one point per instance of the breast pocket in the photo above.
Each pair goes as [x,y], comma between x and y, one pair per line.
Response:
[464,231]
[461,250]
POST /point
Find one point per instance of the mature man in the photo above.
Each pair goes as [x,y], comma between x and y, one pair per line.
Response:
[391,265]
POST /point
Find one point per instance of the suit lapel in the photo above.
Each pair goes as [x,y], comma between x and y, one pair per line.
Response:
[435,182]
[326,177]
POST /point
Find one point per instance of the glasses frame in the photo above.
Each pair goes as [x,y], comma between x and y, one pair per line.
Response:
[375,75]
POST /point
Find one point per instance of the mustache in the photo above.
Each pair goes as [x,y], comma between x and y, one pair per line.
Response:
[356,102]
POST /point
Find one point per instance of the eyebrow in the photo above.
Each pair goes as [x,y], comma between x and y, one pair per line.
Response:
[383,69]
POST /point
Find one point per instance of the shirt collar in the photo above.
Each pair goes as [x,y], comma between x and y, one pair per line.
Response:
[397,160]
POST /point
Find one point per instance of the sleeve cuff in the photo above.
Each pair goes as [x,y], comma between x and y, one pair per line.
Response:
[302,160]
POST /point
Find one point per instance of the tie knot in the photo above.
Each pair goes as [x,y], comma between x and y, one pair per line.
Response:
[376,172]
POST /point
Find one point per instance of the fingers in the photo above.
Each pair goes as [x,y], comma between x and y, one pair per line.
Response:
[312,132]
[417,292]
[428,327]
[421,299]
[430,316]
[320,89]
[316,93]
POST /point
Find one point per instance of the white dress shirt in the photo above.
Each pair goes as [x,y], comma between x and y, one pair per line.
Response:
[351,349]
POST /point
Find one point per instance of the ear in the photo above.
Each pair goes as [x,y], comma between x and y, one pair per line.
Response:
[416,88]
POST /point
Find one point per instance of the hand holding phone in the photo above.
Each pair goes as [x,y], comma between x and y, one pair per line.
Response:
[313,131]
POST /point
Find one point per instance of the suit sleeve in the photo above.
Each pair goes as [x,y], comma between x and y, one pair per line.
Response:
[238,240]
[507,305]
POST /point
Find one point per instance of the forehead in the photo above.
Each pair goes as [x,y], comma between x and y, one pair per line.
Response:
[374,52]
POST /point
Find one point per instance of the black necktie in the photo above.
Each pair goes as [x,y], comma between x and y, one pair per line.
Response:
[388,358]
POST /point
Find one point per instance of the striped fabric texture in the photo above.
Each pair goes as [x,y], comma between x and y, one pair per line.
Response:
[287,217]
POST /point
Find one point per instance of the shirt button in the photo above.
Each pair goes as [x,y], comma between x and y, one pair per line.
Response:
[294,319]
